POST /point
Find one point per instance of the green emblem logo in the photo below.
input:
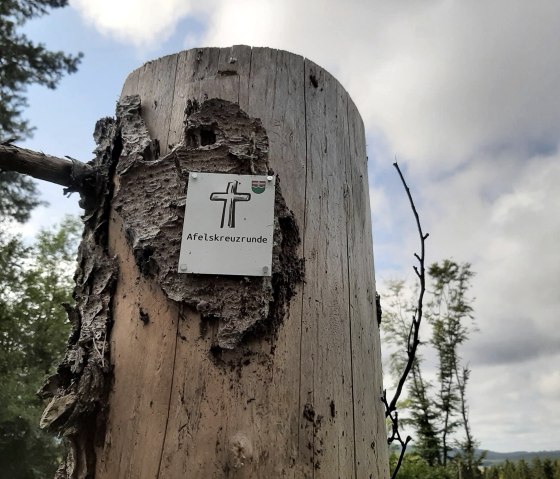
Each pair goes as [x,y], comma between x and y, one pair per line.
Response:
[258,186]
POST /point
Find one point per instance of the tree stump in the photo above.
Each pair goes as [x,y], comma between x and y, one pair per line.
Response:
[228,376]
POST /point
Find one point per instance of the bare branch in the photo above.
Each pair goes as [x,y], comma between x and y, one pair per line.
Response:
[413,337]
[401,456]
[43,167]
[417,318]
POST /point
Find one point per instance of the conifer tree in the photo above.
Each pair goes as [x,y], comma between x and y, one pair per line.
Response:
[437,417]
[23,63]
[34,282]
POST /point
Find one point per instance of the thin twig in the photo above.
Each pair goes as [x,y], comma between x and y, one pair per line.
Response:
[401,456]
[413,337]
[417,316]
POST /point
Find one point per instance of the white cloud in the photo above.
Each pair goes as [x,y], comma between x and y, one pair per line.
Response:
[442,80]
[549,384]
[502,215]
[515,407]
[140,22]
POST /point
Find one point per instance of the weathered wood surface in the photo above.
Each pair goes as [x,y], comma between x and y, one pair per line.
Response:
[143,356]
[61,171]
[305,404]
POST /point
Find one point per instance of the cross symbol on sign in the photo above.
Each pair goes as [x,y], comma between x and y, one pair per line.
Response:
[230,197]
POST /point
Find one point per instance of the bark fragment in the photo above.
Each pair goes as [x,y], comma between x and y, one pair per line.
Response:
[78,391]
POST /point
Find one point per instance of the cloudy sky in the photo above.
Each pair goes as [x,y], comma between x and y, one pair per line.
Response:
[465,94]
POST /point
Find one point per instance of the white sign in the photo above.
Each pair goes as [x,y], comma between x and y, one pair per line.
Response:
[229,223]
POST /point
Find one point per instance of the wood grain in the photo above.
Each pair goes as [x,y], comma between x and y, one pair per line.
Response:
[371,448]
[306,403]
[326,378]
[143,355]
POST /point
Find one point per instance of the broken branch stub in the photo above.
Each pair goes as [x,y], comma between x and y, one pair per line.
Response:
[71,173]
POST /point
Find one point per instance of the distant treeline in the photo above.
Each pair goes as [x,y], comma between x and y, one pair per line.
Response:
[416,467]
[536,468]
[492,457]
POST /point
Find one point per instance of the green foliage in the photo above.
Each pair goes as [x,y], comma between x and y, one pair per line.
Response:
[24,62]
[396,326]
[18,196]
[34,282]
[536,469]
[397,313]
[414,466]
[436,416]
[449,312]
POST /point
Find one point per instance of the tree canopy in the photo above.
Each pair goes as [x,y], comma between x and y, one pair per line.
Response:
[437,418]
[34,283]
[416,467]
[24,62]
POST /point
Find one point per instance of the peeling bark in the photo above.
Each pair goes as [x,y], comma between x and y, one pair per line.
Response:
[219,138]
[148,193]
[79,389]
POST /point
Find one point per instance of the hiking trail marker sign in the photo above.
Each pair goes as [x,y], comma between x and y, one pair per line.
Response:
[229,225]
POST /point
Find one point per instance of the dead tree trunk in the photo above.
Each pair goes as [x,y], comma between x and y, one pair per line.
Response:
[168,374]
